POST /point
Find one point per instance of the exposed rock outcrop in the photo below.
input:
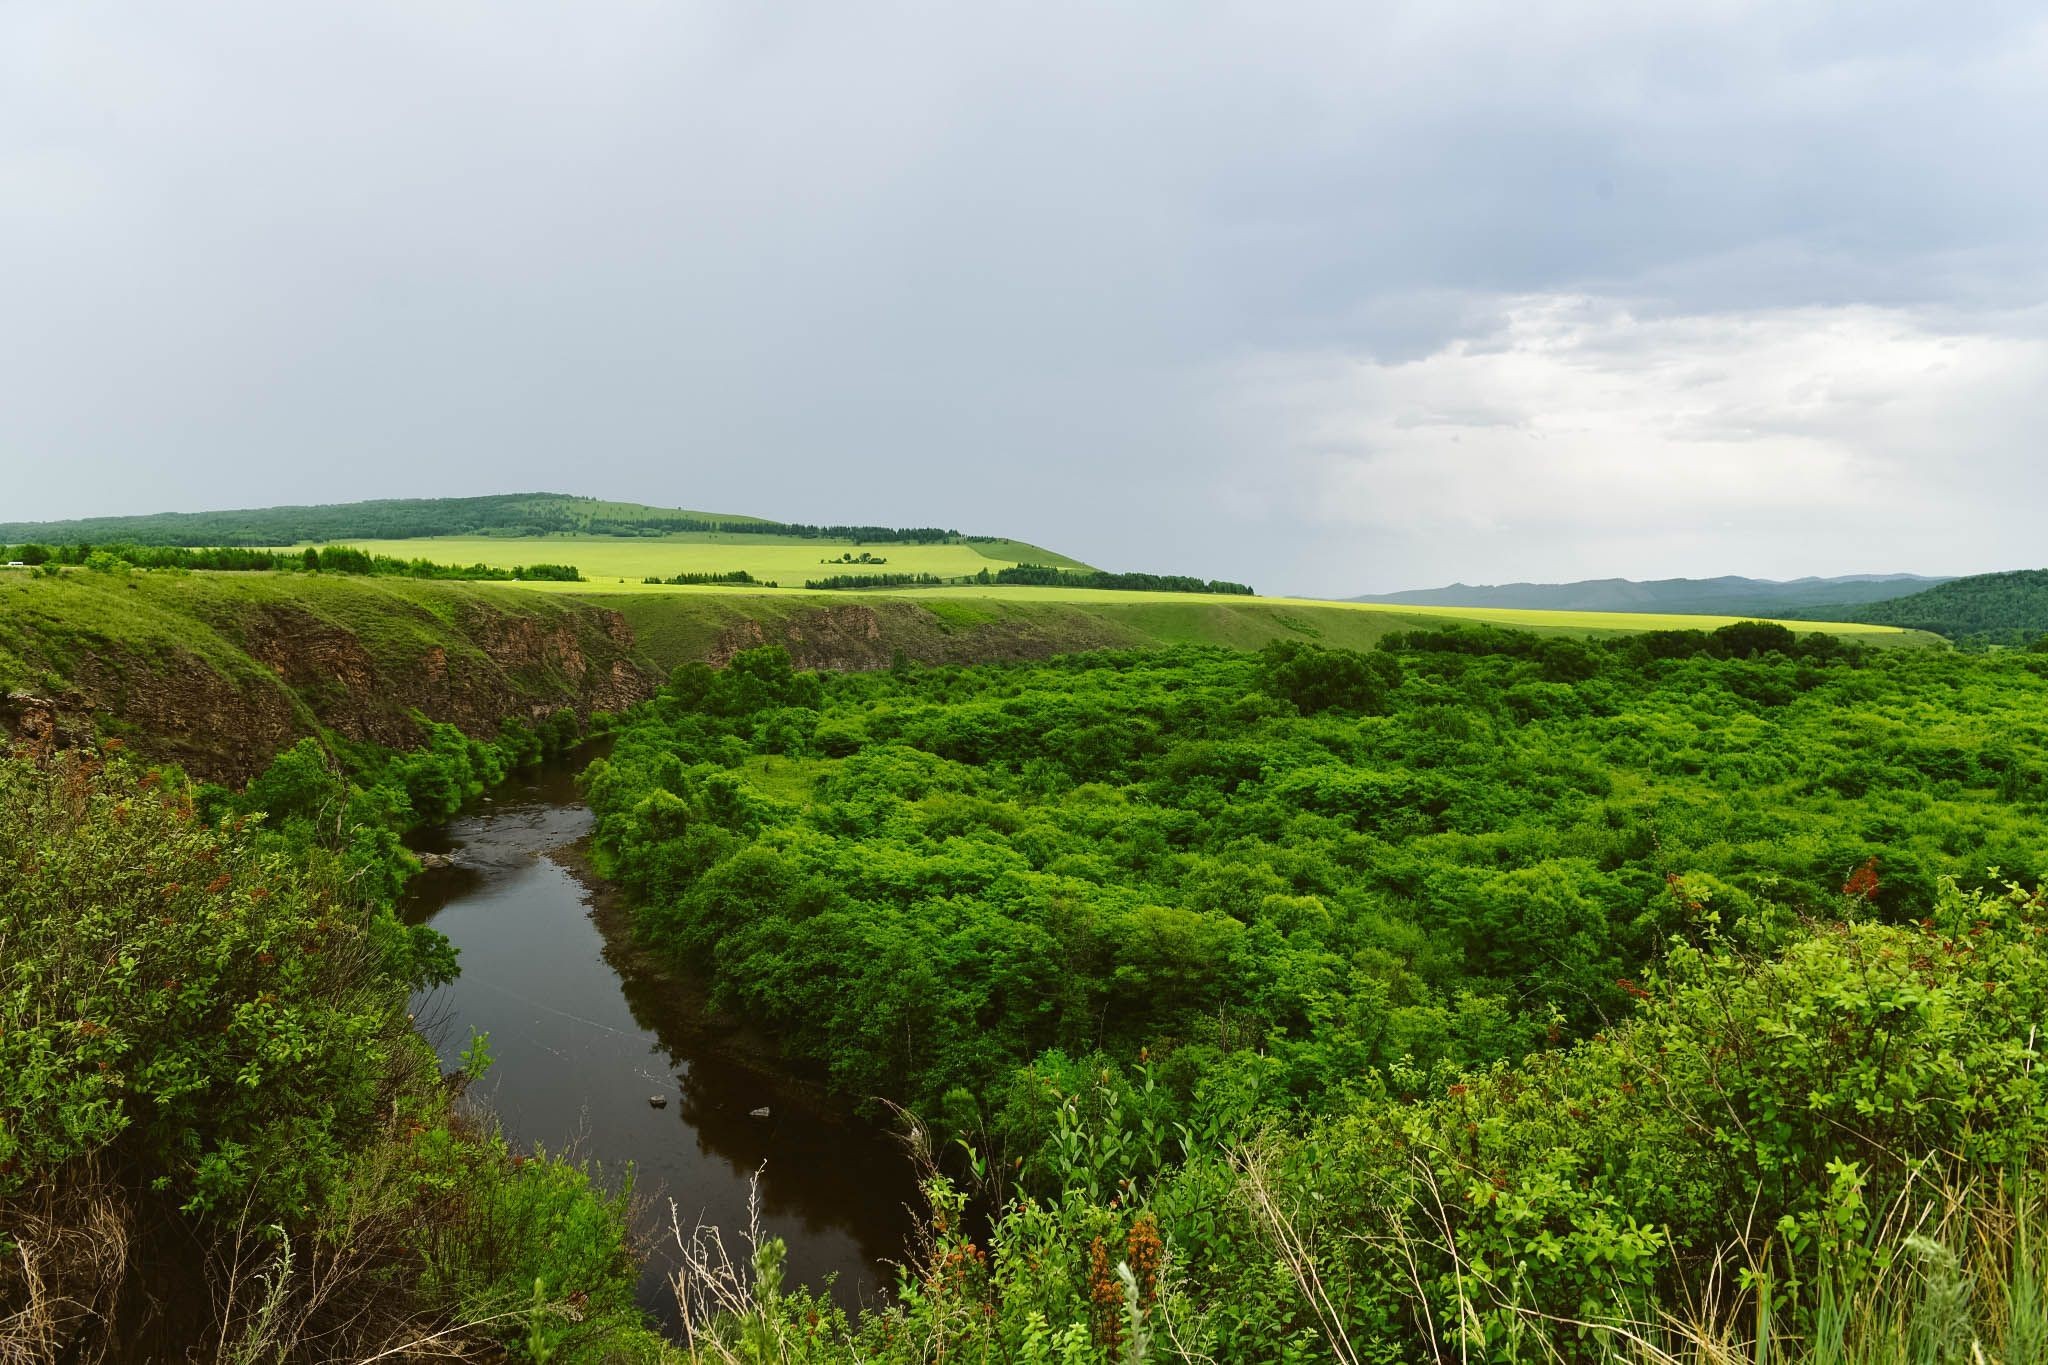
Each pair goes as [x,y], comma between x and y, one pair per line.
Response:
[846,638]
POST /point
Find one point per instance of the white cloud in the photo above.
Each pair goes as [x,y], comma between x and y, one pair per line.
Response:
[1576,426]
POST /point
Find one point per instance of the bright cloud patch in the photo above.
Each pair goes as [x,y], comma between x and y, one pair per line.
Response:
[1580,416]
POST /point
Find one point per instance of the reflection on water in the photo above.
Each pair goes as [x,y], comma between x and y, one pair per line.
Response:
[580,1045]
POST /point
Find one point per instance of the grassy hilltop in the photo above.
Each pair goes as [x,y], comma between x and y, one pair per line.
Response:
[427,525]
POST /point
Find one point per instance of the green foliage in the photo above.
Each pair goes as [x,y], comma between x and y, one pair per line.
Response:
[1855,1120]
[195,1005]
[205,1048]
[516,1230]
[1433,856]
[1796,1097]
[1318,680]
[1494,975]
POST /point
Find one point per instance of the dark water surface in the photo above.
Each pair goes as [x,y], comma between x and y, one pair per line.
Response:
[580,1040]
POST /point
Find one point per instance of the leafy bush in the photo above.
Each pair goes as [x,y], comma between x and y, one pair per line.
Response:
[181,1002]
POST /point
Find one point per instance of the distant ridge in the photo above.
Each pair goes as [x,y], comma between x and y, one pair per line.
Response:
[1726,596]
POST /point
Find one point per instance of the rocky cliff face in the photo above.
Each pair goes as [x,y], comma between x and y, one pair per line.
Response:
[219,675]
[848,638]
[306,672]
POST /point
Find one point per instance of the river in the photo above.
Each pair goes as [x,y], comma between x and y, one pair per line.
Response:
[582,1036]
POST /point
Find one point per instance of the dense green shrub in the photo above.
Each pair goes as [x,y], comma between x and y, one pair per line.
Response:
[1431,856]
[183,1002]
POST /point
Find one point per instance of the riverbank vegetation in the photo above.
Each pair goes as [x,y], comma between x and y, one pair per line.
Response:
[220,1135]
[1482,998]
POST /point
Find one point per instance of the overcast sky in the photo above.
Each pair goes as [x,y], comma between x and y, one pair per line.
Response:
[1332,298]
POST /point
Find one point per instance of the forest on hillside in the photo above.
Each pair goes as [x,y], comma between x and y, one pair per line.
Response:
[1993,610]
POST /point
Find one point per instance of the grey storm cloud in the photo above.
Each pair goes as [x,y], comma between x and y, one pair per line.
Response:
[1328,297]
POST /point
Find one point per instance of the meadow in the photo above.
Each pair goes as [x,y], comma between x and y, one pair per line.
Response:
[622,561]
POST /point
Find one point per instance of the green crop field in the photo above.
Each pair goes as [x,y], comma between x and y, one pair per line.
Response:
[788,560]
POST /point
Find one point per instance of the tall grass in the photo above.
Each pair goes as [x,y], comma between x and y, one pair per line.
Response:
[1952,1275]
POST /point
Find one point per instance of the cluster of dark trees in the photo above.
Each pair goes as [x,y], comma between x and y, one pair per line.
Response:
[736,577]
[876,580]
[338,559]
[345,559]
[220,559]
[1039,575]
[878,535]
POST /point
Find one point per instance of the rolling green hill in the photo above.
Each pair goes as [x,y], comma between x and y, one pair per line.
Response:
[511,515]
[2008,608]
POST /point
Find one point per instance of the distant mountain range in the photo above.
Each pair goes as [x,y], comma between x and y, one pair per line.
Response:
[1820,598]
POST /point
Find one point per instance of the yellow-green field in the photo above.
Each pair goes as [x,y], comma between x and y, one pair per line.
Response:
[1196,616]
[788,560]
[613,564]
